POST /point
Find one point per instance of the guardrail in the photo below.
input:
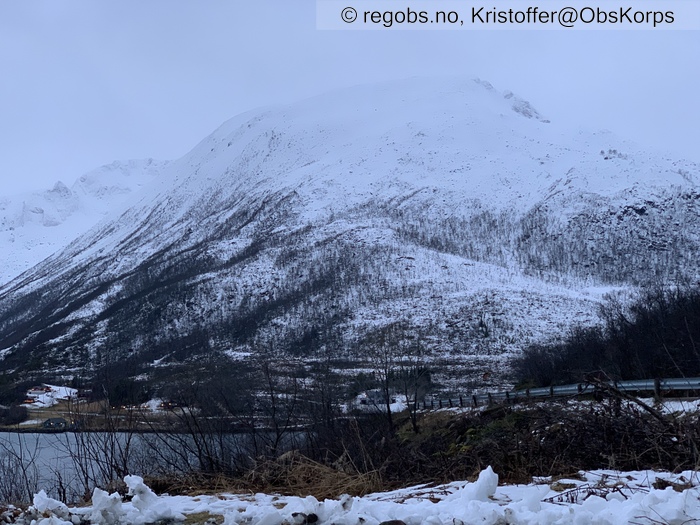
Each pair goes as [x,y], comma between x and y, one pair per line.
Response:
[655,386]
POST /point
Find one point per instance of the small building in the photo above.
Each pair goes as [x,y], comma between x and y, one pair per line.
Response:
[55,423]
[374,397]
[49,395]
[84,393]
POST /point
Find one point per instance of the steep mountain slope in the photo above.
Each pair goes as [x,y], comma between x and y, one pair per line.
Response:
[35,225]
[436,217]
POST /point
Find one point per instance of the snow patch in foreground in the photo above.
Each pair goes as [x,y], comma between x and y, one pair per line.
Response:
[605,498]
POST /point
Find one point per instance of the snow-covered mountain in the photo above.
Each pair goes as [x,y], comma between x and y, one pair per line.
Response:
[35,225]
[432,216]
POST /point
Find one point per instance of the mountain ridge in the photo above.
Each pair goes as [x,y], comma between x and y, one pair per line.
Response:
[33,225]
[440,215]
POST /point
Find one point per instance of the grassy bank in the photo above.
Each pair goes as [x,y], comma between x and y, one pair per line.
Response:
[556,439]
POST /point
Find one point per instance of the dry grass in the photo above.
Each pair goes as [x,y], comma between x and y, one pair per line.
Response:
[291,474]
[97,415]
[295,474]
[203,518]
[196,484]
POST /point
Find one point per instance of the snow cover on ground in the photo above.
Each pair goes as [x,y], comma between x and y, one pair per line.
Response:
[600,497]
[52,395]
[373,402]
[31,422]
[676,406]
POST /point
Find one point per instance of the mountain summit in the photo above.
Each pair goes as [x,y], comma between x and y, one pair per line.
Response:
[35,225]
[440,216]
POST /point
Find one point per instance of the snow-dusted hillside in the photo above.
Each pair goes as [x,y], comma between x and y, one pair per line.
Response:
[35,225]
[439,217]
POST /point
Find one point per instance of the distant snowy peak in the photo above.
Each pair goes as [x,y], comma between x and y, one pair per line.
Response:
[34,225]
[108,183]
[446,147]
[440,206]
[459,137]
[97,190]
[519,105]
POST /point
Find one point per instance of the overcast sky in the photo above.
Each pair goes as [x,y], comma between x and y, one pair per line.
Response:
[85,82]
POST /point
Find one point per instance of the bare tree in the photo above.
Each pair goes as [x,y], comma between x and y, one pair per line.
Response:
[19,471]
